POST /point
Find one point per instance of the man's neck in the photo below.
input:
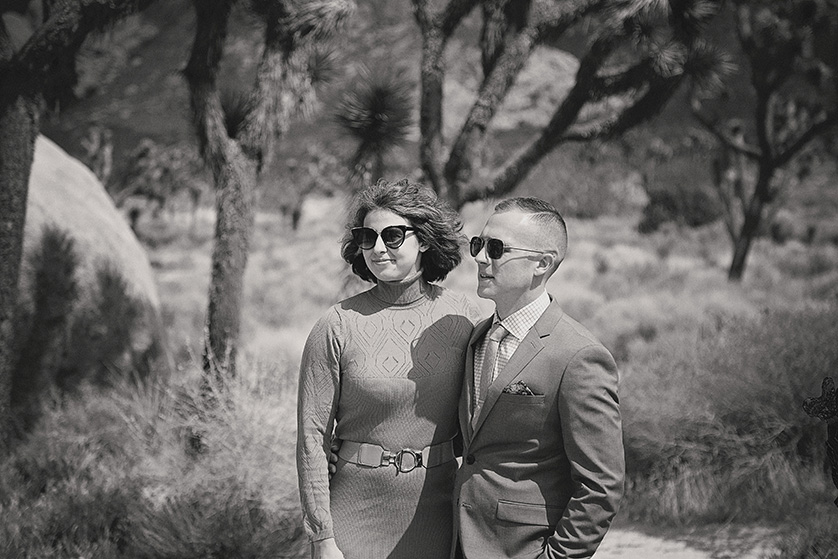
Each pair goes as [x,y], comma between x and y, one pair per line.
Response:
[525,299]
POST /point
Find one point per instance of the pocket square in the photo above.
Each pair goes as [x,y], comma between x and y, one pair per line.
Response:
[520,388]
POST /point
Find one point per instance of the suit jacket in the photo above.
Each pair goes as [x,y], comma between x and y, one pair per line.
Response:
[542,475]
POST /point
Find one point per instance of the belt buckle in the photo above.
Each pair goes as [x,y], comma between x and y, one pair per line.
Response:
[407,460]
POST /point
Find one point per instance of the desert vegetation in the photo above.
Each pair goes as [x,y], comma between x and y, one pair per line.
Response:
[116,459]
[714,375]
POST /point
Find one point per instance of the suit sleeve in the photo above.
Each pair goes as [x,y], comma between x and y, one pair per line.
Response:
[589,409]
[319,390]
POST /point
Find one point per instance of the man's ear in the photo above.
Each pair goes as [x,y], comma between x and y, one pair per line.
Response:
[546,264]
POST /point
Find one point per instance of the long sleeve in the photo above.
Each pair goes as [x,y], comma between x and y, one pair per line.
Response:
[589,407]
[319,390]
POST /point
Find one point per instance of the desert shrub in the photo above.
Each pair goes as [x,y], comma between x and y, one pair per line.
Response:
[816,539]
[101,335]
[679,193]
[66,489]
[106,473]
[68,333]
[715,427]
[802,261]
[55,293]
[222,519]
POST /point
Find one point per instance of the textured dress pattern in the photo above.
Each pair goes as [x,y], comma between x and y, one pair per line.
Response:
[383,367]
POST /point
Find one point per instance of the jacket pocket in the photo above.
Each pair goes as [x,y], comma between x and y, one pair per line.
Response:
[515,399]
[528,513]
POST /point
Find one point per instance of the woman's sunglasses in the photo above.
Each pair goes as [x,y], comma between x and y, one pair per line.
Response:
[494,247]
[392,235]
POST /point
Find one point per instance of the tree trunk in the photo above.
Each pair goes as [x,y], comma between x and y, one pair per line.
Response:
[436,30]
[19,123]
[751,223]
[233,205]
[233,225]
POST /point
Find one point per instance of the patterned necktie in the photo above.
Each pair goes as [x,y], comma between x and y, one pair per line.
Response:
[486,376]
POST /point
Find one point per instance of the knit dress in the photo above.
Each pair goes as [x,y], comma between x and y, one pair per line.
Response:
[382,367]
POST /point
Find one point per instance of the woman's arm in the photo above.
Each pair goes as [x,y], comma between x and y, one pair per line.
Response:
[319,390]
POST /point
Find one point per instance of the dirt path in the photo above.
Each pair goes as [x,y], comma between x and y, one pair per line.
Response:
[626,542]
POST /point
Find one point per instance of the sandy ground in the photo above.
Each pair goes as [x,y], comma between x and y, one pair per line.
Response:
[625,542]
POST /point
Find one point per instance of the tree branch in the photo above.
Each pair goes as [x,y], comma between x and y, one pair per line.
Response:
[552,134]
[67,23]
[813,132]
[726,140]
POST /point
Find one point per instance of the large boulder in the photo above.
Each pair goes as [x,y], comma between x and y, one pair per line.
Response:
[65,195]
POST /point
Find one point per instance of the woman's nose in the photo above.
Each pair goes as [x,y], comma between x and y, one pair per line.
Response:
[379,245]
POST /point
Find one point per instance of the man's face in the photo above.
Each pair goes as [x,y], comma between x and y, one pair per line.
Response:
[507,280]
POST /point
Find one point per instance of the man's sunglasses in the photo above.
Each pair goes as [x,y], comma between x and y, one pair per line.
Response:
[392,235]
[494,247]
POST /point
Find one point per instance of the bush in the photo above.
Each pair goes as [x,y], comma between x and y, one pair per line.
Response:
[102,332]
[817,539]
[106,474]
[680,193]
[55,294]
[718,431]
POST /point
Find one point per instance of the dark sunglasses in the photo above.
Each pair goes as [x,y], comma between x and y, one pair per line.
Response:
[392,235]
[494,247]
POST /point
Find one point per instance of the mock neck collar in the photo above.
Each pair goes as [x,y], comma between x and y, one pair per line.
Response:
[404,292]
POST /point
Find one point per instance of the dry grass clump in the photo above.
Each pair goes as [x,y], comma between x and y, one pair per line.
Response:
[110,473]
[815,539]
[714,425]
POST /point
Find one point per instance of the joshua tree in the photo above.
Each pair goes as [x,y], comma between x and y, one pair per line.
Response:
[237,149]
[376,113]
[24,81]
[639,53]
[791,49]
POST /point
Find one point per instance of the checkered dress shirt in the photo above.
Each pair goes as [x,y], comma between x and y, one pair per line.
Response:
[517,324]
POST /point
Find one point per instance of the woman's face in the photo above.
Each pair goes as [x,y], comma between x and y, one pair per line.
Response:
[392,264]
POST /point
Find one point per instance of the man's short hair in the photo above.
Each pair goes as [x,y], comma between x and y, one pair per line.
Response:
[543,213]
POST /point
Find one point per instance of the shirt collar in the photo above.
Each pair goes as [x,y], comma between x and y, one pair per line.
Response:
[521,321]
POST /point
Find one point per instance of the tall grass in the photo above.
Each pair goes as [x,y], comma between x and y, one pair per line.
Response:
[108,473]
[714,425]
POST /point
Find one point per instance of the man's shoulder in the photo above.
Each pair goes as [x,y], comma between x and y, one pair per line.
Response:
[569,332]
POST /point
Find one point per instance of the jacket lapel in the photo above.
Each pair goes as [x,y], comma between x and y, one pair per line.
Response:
[529,347]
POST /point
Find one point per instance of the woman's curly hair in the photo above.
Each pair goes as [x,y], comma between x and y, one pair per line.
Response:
[437,226]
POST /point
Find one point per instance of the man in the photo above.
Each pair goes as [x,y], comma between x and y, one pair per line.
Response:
[543,461]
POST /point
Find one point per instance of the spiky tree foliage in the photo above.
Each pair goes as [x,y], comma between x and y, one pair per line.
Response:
[791,49]
[236,148]
[24,77]
[638,54]
[375,112]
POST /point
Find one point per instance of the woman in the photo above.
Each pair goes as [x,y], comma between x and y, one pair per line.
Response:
[383,371]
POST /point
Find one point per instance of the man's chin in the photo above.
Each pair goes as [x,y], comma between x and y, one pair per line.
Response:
[484,292]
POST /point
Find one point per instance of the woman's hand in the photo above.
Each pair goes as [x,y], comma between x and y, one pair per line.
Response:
[326,549]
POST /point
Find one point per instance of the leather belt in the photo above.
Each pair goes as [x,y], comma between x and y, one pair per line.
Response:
[405,460]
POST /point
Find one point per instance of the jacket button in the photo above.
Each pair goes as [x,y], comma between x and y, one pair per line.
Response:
[470,459]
